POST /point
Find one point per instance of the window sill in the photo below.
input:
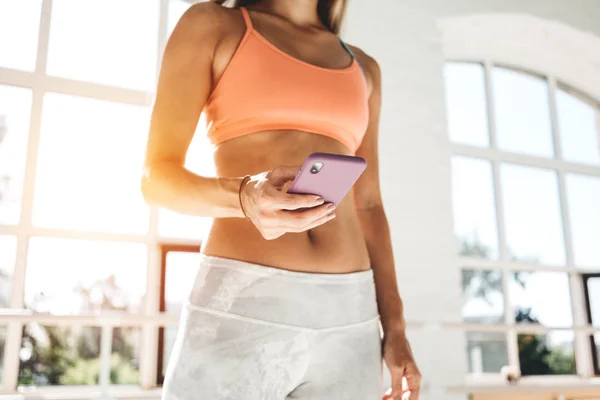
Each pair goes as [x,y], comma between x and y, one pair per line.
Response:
[84,392]
[493,383]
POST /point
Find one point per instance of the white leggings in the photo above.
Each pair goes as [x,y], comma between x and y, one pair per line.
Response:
[253,332]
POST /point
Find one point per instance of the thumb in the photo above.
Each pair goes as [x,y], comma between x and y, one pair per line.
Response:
[279,175]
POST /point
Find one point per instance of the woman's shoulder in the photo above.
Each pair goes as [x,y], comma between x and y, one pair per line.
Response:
[207,18]
[369,64]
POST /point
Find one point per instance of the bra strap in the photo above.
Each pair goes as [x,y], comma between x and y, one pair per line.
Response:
[247,19]
[351,54]
[346,47]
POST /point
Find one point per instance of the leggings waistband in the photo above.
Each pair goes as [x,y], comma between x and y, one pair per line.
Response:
[298,300]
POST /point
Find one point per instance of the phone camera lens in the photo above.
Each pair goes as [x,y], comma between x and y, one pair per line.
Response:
[316,167]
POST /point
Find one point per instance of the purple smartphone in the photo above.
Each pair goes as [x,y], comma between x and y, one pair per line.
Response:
[328,175]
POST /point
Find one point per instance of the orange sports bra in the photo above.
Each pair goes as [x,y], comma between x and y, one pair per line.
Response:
[264,88]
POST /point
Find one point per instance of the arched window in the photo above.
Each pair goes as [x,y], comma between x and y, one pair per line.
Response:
[526,201]
[523,111]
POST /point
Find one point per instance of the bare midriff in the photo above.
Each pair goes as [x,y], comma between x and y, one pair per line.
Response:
[337,246]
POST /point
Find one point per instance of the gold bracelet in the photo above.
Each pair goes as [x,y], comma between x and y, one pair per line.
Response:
[246,179]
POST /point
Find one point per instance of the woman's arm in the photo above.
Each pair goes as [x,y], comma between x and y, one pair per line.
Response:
[376,232]
[371,213]
[184,84]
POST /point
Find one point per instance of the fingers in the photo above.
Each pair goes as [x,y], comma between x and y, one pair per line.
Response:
[414,394]
[275,223]
[299,221]
[398,387]
[413,380]
[289,201]
[406,383]
[406,392]
[278,176]
[310,223]
[273,232]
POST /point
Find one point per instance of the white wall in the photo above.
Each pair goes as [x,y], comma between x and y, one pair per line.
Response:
[406,39]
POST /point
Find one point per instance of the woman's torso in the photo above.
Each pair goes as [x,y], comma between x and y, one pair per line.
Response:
[335,247]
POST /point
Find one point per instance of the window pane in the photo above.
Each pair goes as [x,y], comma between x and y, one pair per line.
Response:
[2,343]
[593,288]
[522,113]
[112,42]
[170,334]
[8,259]
[90,166]
[175,225]
[483,297]
[578,122]
[125,357]
[466,103]
[72,276]
[15,111]
[474,207]
[486,352]
[532,215]
[583,197]
[199,160]
[181,270]
[19,21]
[550,354]
[176,10]
[541,297]
[57,355]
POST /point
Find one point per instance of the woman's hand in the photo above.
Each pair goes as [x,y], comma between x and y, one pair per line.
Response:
[274,211]
[406,378]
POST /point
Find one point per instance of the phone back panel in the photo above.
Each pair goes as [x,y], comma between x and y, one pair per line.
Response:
[334,179]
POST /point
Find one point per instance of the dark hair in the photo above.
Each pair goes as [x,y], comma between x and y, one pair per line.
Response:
[331,12]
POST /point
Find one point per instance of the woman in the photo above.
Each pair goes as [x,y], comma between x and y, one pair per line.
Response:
[291,292]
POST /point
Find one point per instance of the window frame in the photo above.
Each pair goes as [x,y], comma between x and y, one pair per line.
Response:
[16,316]
[165,249]
[588,309]
[581,328]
